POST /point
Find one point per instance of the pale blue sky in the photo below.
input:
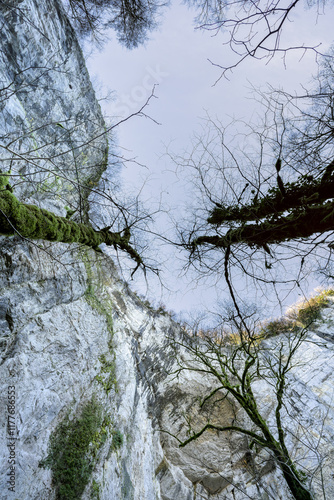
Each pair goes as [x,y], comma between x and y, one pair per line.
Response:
[176,58]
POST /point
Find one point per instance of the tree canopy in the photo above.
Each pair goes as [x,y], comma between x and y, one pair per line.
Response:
[251,29]
[131,19]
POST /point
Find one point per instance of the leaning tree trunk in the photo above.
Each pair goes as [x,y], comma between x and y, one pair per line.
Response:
[296,487]
[34,223]
[300,223]
[305,191]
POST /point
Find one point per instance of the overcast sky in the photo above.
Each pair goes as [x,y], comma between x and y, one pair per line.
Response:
[176,58]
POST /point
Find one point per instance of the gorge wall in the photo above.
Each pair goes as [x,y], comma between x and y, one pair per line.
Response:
[88,363]
[52,129]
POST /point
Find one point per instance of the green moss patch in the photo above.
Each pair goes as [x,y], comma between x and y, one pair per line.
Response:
[302,315]
[117,440]
[309,311]
[4,179]
[107,376]
[95,493]
[73,450]
[93,291]
[37,223]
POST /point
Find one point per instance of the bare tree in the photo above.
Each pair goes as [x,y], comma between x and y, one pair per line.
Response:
[234,357]
[262,194]
[262,208]
[132,20]
[252,29]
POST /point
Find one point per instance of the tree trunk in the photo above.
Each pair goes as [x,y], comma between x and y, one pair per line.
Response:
[298,224]
[297,489]
[34,223]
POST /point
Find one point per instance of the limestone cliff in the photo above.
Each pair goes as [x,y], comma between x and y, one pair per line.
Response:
[85,371]
[52,131]
[72,333]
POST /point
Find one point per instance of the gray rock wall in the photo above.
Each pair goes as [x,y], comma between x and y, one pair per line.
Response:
[52,130]
[55,351]
[73,332]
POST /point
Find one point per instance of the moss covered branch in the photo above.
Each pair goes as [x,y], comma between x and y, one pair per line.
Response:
[36,223]
[305,191]
[257,438]
[300,223]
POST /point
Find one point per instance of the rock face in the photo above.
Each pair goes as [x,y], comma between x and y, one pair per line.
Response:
[62,350]
[52,129]
[86,380]
[72,333]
